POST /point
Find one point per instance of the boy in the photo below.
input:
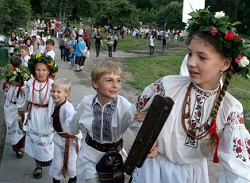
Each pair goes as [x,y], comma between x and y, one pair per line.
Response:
[106,117]
[24,51]
[65,145]
[49,48]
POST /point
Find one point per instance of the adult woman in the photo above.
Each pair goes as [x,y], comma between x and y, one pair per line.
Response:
[209,118]
[80,54]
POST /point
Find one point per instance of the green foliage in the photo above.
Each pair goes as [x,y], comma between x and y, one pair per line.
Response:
[218,26]
[14,14]
[42,58]
[172,14]
[117,14]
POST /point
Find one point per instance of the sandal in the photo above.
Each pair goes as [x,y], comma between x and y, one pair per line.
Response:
[19,154]
[38,175]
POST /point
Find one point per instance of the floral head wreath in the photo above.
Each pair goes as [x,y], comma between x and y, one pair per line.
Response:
[42,58]
[218,25]
[12,73]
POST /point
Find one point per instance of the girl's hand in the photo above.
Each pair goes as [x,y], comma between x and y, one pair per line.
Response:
[140,116]
[153,151]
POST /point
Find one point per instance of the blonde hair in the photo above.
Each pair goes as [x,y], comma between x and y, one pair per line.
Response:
[103,68]
[64,83]
[24,47]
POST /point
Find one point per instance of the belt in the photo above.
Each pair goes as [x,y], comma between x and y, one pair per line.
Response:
[66,150]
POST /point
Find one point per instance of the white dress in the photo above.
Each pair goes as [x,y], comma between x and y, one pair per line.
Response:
[183,160]
[83,119]
[11,104]
[66,112]
[39,130]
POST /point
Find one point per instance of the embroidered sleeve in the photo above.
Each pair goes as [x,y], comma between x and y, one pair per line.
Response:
[154,88]
[234,149]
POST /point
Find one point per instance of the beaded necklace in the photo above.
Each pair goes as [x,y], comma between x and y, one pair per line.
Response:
[187,115]
[11,102]
[34,89]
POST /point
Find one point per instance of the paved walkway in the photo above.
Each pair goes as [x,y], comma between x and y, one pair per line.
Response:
[15,170]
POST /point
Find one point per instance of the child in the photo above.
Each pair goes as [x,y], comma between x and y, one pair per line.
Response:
[42,42]
[72,58]
[28,42]
[15,75]
[106,117]
[49,48]
[38,103]
[205,118]
[13,39]
[66,145]
[24,51]
[110,43]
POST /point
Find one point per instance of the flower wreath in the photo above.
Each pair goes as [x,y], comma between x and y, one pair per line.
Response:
[12,73]
[224,32]
[46,59]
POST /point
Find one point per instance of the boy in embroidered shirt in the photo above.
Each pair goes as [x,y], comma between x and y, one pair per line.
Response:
[24,51]
[49,48]
[66,146]
[106,117]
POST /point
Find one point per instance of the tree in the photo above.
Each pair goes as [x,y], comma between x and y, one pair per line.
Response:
[170,16]
[14,14]
[117,14]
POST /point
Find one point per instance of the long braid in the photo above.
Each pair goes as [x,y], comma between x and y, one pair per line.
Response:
[212,141]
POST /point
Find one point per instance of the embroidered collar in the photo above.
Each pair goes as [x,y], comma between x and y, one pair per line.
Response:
[112,103]
[206,93]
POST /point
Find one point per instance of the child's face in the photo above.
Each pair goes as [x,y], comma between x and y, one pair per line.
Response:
[59,94]
[205,64]
[23,52]
[28,42]
[42,72]
[49,46]
[107,87]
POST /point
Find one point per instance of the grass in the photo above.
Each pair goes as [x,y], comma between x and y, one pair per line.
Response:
[147,69]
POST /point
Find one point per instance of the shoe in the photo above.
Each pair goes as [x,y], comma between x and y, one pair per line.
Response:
[82,67]
[77,70]
[38,175]
[72,180]
[19,154]
[56,181]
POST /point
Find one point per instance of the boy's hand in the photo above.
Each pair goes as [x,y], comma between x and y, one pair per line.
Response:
[140,116]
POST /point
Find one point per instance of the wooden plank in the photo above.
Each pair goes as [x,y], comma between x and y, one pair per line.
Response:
[154,121]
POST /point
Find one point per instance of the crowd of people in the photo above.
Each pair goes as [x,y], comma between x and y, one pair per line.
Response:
[205,120]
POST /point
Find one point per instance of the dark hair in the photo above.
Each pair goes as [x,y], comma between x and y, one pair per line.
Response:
[50,41]
[15,61]
[28,38]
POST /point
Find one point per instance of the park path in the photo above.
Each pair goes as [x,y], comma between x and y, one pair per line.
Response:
[13,170]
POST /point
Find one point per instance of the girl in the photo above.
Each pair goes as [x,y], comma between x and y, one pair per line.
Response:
[42,42]
[13,40]
[28,42]
[15,76]
[38,103]
[205,118]
[66,145]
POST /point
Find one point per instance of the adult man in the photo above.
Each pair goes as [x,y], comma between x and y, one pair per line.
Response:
[98,43]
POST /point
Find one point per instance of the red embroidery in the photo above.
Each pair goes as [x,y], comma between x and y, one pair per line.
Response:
[237,147]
